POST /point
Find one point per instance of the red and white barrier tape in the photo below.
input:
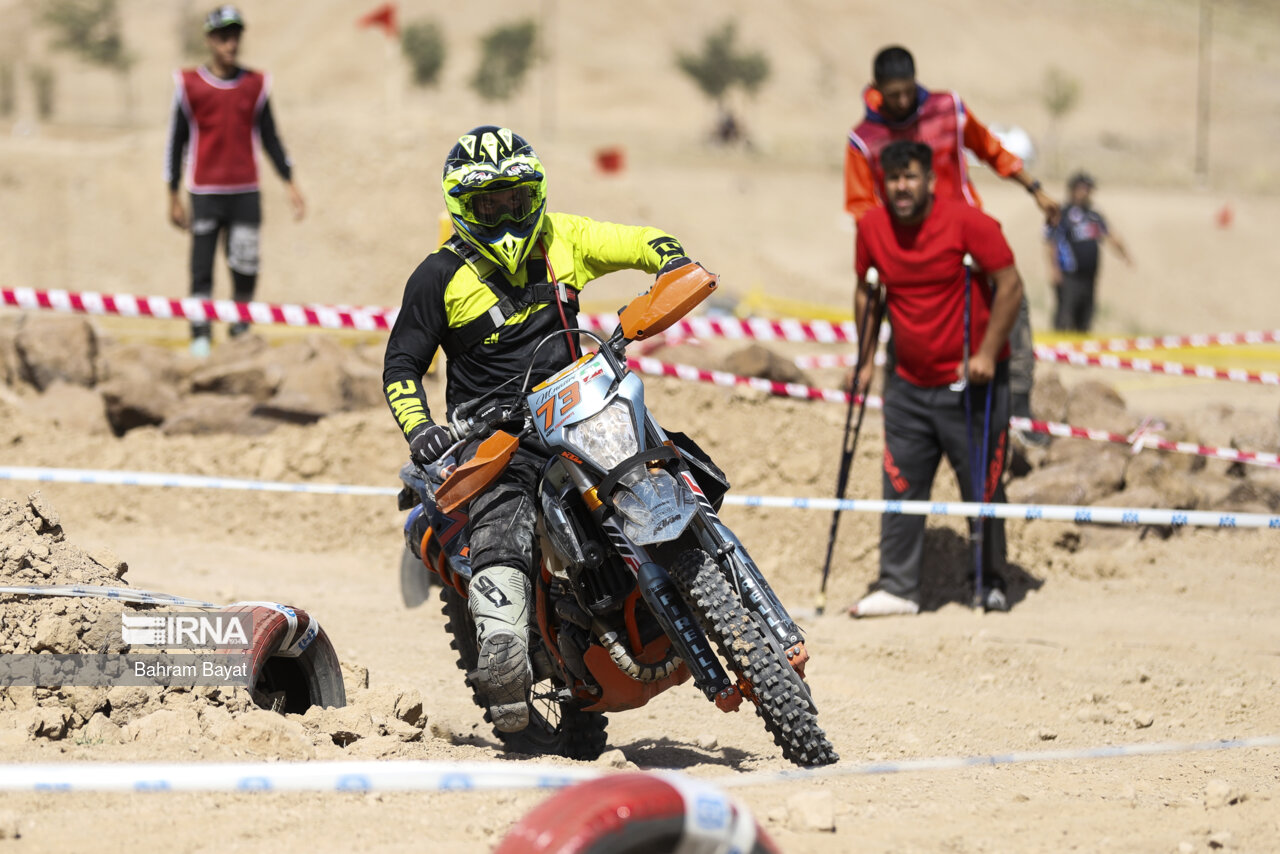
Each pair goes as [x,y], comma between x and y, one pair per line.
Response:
[1106,360]
[1172,342]
[1144,438]
[1139,439]
[327,317]
[646,365]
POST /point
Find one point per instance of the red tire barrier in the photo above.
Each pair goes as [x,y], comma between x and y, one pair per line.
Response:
[637,814]
[293,665]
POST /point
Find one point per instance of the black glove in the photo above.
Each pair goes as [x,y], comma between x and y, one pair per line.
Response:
[675,264]
[428,443]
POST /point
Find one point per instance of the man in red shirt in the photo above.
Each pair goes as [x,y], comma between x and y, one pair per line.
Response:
[897,108]
[222,111]
[918,245]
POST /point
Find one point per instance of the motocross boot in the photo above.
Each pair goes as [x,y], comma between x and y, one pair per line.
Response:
[499,601]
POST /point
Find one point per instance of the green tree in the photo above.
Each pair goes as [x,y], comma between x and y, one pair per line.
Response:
[721,67]
[507,53]
[423,45]
[91,29]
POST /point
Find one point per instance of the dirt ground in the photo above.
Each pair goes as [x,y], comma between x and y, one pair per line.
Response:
[1116,636]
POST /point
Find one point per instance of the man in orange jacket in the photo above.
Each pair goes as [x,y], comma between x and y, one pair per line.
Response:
[899,108]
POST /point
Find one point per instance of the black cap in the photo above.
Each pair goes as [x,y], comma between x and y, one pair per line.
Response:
[1079,178]
[222,18]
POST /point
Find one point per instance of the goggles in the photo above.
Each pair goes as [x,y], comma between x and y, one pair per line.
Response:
[513,203]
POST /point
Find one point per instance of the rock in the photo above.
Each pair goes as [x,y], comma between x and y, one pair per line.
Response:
[1048,397]
[707,742]
[52,348]
[614,759]
[43,722]
[400,730]
[257,378]
[71,407]
[135,397]
[343,726]
[812,811]
[100,729]
[1220,793]
[202,414]
[127,702]
[1143,719]
[268,734]
[10,825]
[408,708]
[313,383]
[355,676]
[166,725]
[1094,474]
[1097,406]
[57,634]
[108,560]
[47,520]
[1221,839]
[755,360]
[361,384]
[1046,734]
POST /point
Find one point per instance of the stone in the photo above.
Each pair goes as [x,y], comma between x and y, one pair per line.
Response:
[100,729]
[166,725]
[268,734]
[1220,793]
[755,360]
[43,722]
[812,811]
[1221,839]
[408,708]
[707,742]
[71,407]
[1097,406]
[614,759]
[1143,719]
[257,378]
[108,560]
[52,348]
[136,397]
[202,414]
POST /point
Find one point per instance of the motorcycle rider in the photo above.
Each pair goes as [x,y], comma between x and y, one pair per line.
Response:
[508,276]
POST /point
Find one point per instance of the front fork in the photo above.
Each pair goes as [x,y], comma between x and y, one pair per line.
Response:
[722,544]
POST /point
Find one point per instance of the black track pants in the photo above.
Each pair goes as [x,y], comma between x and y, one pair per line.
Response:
[239,216]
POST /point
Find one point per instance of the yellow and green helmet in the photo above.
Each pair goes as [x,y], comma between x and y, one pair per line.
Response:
[496,191]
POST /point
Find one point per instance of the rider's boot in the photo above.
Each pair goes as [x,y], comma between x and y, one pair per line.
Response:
[499,602]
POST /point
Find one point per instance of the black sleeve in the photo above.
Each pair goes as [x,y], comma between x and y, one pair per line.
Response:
[414,339]
[179,135]
[271,142]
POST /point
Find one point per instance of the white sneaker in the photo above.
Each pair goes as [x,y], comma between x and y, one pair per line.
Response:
[882,603]
[200,346]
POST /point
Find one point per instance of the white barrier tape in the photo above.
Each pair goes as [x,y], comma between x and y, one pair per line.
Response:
[121,594]
[290,616]
[184,481]
[945,763]
[423,775]
[1051,512]
[327,776]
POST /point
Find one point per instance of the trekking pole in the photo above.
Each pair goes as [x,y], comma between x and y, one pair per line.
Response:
[852,427]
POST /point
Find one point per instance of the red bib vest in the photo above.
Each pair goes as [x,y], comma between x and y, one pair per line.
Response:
[223,118]
[939,124]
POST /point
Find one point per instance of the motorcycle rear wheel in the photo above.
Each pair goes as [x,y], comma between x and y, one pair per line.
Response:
[556,727]
[785,707]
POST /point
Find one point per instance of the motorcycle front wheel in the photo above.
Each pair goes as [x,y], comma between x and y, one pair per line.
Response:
[785,706]
[556,727]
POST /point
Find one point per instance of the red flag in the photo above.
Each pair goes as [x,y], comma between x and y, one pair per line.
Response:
[385,17]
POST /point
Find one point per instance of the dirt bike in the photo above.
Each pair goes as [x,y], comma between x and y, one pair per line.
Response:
[636,575]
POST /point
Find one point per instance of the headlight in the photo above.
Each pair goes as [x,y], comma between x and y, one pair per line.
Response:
[608,437]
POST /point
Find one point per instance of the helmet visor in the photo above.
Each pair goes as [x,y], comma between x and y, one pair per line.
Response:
[506,204]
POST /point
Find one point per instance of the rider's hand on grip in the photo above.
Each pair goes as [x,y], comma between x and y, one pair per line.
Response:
[428,443]
[675,264]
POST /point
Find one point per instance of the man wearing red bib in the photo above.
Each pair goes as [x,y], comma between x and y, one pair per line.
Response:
[221,114]
[899,108]
[917,244]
